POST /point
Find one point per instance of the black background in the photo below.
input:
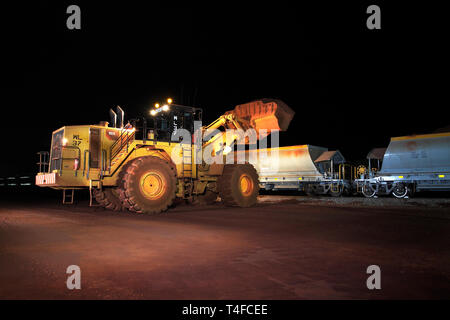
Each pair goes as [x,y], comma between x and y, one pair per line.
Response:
[278,309]
[352,88]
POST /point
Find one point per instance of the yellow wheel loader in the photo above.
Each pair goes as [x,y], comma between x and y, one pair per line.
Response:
[146,164]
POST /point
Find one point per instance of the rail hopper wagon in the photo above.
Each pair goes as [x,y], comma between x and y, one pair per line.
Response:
[409,164]
[312,169]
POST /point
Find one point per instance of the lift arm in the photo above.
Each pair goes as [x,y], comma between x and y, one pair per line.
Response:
[263,116]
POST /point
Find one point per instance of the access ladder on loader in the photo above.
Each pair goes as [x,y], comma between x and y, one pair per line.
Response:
[186,169]
[68,198]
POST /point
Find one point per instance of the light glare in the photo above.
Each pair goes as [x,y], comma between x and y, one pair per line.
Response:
[227,149]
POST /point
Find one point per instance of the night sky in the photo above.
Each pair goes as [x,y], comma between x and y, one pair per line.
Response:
[352,88]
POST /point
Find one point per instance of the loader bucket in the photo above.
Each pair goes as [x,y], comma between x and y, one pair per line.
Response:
[268,114]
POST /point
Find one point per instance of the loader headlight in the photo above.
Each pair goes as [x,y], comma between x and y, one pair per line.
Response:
[169,101]
[159,109]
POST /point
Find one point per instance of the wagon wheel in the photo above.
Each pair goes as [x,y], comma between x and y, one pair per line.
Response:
[400,190]
[368,191]
[337,192]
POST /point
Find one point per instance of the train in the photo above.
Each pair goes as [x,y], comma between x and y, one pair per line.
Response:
[408,165]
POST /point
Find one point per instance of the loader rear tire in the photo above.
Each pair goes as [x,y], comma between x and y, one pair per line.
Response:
[238,185]
[149,185]
[108,198]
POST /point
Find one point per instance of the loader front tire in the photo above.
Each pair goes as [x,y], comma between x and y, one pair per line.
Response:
[238,185]
[149,185]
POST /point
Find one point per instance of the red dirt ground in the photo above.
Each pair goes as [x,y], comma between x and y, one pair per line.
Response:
[277,250]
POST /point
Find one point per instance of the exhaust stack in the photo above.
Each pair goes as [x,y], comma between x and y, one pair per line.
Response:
[113,117]
[121,117]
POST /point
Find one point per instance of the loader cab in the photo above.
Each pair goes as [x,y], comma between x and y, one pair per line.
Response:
[160,126]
